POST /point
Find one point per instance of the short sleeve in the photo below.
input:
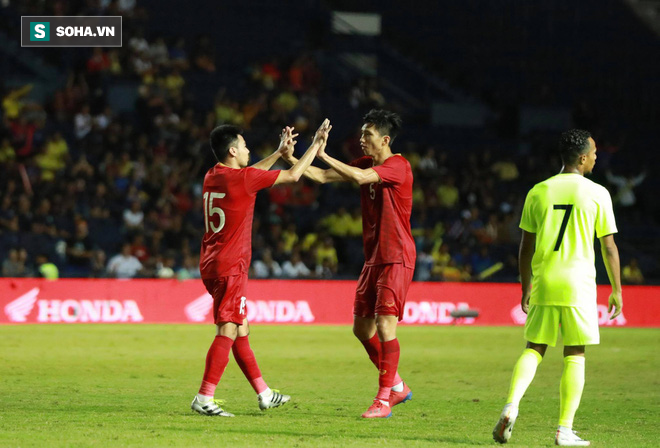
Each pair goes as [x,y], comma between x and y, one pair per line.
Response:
[527,221]
[393,171]
[605,222]
[256,179]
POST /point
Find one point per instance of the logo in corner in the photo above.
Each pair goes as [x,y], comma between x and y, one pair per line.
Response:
[39,31]
[197,310]
[19,309]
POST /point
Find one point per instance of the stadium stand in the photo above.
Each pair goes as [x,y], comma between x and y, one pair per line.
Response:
[101,147]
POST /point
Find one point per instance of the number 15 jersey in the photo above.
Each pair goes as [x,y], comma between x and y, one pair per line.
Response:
[229,196]
[566,212]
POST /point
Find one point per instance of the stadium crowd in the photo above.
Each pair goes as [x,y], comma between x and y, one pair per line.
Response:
[93,193]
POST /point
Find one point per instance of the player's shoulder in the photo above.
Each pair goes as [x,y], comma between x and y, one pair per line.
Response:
[541,187]
[250,173]
[561,180]
[399,158]
[595,188]
[216,170]
[399,162]
[223,174]
[541,191]
[598,187]
[210,173]
[249,170]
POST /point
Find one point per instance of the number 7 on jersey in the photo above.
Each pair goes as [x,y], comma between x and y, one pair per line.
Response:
[210,210]
[567,213]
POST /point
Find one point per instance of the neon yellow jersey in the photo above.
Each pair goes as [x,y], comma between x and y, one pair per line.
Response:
[566,212]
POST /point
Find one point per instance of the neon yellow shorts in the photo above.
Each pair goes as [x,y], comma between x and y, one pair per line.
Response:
[579,326]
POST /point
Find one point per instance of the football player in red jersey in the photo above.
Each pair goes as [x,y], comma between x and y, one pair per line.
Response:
[386,184]
[229,193]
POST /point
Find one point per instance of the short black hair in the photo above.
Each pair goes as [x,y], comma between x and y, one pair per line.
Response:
[387,123]
[572,144]
[222,138]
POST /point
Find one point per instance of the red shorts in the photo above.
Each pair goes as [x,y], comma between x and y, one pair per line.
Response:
[382,290]
[229,302]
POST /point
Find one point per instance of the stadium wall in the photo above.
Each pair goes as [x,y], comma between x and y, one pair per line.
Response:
[303,302]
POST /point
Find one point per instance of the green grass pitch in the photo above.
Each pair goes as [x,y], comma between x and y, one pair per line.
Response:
[131,385]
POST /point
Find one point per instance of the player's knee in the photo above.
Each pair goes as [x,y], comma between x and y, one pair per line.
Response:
[386,334]
[244,330]
[574,350]
[539,348]
[228,330]
[361,333]
[364,328]
[386,327]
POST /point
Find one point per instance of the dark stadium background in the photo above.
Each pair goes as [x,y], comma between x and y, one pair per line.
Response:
[484,88]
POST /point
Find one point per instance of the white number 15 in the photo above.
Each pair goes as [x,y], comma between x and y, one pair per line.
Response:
[210,210]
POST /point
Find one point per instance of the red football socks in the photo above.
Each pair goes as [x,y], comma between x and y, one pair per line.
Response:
[248,364]
[373,348]
[389,363]
[216,362]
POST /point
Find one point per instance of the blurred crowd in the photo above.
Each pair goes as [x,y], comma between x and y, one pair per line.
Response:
[88,192]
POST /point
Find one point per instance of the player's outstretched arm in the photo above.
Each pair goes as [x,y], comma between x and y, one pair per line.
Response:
[611,258]
[287,138]
[525,255]
[294,173]
[318,175]
[350,173]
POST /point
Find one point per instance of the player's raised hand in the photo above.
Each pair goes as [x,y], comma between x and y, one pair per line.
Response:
[321,151]
[524,303]
[321,135]
[616,304]
[287,142]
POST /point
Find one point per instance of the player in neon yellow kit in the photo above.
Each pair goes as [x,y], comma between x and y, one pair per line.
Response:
[559,220]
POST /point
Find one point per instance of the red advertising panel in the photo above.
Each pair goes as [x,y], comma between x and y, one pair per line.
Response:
[283,302]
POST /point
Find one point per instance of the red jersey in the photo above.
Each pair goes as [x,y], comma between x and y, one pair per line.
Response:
[229,196]
[386,209]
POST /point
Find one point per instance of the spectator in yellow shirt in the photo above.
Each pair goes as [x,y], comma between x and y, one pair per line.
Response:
[7,152]
[289,237]
[632,274]
[338,223]
[12,104]
[354,226]
[326,250]
[448,193]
